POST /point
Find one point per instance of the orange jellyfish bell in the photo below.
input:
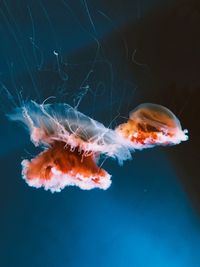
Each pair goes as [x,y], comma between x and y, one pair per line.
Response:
[151,124]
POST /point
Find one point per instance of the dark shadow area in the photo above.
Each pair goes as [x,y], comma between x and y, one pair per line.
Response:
[166,65]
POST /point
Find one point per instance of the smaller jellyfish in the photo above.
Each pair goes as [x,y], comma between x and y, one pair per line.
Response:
[72,142]
[151,124]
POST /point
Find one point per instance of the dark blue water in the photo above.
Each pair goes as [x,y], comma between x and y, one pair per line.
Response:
[146,218]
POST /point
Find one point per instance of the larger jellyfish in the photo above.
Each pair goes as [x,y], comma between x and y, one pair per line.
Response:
[72,142]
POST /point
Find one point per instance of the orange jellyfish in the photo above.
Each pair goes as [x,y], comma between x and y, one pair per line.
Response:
[151,124]
[71,145]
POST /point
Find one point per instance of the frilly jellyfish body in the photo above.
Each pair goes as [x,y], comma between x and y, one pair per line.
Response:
[72,142]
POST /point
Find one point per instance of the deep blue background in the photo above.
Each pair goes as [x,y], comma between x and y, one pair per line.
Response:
[127,53]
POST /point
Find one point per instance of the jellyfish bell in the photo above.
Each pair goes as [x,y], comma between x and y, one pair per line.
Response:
[151,124]
[48,123]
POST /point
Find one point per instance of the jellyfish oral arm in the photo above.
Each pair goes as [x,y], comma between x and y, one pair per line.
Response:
[58,167]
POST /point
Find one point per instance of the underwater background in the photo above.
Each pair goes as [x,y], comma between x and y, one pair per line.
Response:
[106,57]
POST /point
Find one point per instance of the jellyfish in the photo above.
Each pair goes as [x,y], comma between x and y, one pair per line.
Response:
[72,143]
[152,124]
